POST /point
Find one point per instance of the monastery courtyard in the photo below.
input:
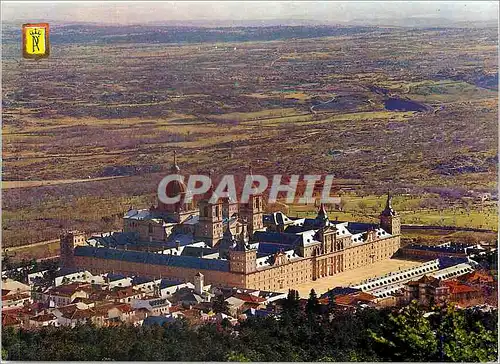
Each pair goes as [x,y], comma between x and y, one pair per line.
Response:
[353,277]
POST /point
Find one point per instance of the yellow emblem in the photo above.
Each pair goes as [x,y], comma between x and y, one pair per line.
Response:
[36,40]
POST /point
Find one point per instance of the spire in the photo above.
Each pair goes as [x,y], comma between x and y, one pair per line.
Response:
[250,172]
[175,168]
[227,232]
[388,204]
[211,189]
[388,211]
[322,214]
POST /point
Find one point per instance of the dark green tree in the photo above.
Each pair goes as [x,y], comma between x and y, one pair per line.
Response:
[460,342]
[220,305]
[291,304]
[408,336]
[332,305]
[313,307]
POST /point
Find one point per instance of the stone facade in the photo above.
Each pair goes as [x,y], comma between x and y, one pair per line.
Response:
[246,248]
[244,272]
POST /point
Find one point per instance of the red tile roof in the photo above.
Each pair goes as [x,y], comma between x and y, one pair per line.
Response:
[5,292]
[67,290]
[9,320]
[477,277]
[354,298]
[249,298]
[457,288]
[125,292]
[429,280]
[125,308]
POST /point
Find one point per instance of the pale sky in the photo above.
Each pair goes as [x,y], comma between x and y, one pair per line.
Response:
[323,11]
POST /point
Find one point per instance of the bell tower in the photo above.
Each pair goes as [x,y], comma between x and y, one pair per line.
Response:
[253,211]
[209,227]
[390,221]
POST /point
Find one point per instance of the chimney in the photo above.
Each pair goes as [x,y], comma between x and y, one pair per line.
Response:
[199,283]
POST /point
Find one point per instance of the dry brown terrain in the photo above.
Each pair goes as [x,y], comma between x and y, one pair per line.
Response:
[410,110]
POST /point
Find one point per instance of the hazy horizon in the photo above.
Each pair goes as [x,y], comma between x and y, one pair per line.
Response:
[315,11]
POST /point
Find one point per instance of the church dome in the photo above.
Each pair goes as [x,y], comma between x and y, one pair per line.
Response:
[175,188]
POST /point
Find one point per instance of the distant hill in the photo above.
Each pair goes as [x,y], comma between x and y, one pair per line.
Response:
[423,22]
[91,33]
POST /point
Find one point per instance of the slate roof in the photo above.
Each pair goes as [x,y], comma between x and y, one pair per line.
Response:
[277,218]
[275,237]
[145,214]
[257,313]
[358,227]
[446,262]
[157,320]
[339,291]
[140,280]
[115,277]
[182,239]
[153,258]
[114,239]
[65,271]
[267,248]
[195,251]
[165,283]
[439,249]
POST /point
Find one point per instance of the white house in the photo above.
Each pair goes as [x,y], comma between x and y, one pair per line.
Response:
[154,305]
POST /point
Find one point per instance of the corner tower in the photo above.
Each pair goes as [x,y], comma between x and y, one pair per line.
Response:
[389,219]
[68,241]
[242,258]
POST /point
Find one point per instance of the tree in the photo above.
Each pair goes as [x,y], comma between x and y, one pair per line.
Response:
[461,343]
[291,303]
[362,205]
[6,261]
[332,305]
[313,307]
[441,335]
[220,305]
[408,337]
[237,357]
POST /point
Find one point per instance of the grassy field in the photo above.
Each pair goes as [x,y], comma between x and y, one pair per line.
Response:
[25,184]
[367,208]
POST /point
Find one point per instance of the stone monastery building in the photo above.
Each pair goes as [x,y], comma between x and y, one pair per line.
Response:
[232,244]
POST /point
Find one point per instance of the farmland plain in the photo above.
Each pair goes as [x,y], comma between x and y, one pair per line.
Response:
[411,110]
